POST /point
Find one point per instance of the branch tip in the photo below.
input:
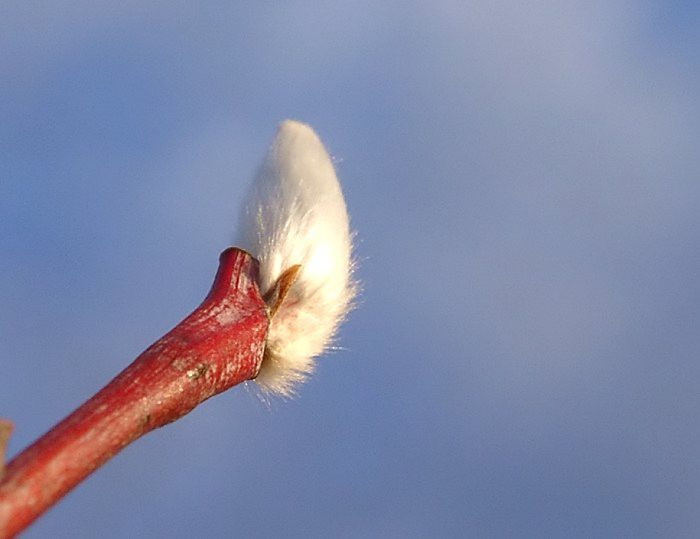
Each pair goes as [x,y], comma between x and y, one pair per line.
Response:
[6,428]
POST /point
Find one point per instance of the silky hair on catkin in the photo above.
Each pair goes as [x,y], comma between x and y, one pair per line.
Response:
[296,224]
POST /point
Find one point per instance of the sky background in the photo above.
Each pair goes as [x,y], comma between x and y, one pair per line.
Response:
[524,180]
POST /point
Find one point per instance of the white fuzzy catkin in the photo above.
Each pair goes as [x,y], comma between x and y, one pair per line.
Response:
[296,214]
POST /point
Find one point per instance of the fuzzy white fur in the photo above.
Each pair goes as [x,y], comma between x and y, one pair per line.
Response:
[296,214]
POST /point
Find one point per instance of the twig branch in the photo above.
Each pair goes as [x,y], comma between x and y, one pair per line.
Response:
[6,428]
[216,347]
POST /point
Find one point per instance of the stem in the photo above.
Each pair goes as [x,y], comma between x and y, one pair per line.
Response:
[6,428]
[216,347]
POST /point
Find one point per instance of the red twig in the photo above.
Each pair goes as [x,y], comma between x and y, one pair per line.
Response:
[216,347]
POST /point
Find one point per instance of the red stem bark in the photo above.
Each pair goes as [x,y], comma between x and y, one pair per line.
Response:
[216,347]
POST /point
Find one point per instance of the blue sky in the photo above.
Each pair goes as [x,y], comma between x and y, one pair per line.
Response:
[524,184]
